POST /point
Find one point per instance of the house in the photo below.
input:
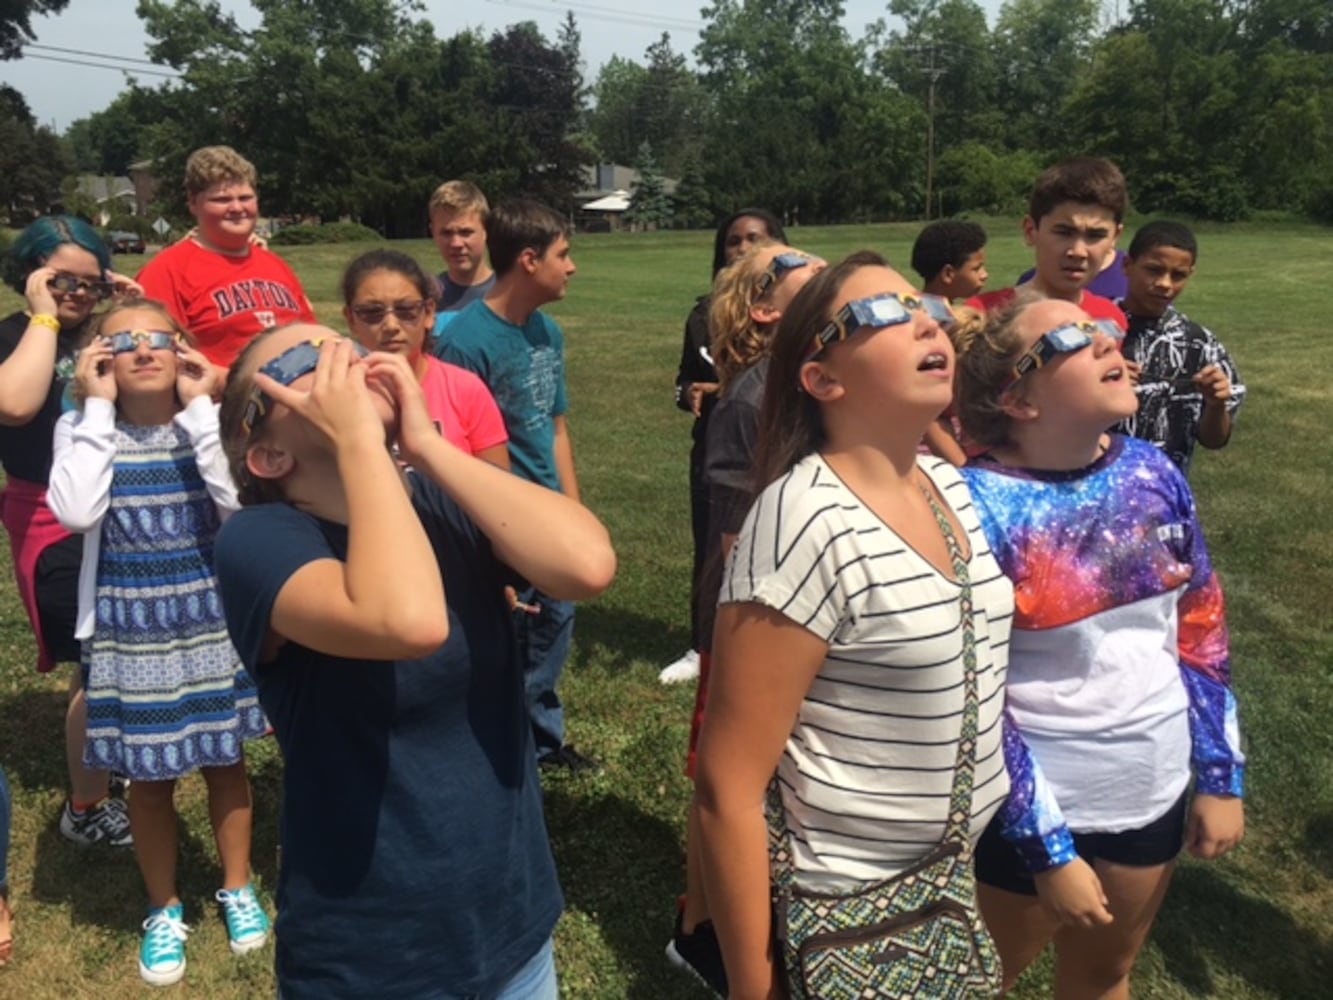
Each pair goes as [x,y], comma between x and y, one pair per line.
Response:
[608,188]
[113,195]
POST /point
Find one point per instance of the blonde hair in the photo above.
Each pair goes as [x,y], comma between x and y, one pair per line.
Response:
[215,165]
[737,341]
[122,306]
[987,348]
[459,196]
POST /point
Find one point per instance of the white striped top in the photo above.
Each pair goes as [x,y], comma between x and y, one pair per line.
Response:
[867,770]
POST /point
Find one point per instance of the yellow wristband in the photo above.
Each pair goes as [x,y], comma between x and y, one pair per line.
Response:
[44,319]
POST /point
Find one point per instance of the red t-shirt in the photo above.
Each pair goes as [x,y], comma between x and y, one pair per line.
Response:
[462,407]
[225,301]
[1094,305]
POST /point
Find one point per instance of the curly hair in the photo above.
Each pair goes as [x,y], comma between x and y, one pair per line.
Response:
[987,348]
[737,340]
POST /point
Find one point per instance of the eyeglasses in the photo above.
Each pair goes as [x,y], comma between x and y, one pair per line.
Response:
[779,266]
[299,359]
[129,340]
[880,311]
[1064,339]
[404,312]
[68,284]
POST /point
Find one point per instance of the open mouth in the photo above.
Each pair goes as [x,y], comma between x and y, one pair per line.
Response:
[934,362]
[1114,375]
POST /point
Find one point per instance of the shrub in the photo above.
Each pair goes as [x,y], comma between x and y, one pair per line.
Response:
[139,225]
[332,232]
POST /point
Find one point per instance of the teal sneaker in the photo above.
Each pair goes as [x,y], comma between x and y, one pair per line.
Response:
[162,955]
[247,923]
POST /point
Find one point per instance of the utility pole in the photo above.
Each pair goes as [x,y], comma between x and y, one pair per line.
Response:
[933,74]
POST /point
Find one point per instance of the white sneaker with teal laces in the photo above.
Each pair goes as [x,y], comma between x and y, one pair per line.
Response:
[247,923]
[162,955]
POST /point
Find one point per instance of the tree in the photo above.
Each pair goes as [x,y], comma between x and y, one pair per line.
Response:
[16,23]
[33,161]
[650,206]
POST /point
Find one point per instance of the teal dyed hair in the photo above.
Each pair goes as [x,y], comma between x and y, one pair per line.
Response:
[35,245]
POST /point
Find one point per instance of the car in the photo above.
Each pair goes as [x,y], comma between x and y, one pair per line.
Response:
[124,242]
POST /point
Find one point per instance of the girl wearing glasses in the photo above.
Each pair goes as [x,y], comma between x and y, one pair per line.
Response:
[839,645]
[1119,679]
[139,472]
[749,298]
[367,604]
[389,305]
[63,270]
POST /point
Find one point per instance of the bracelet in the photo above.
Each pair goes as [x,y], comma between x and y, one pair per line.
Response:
[44,319]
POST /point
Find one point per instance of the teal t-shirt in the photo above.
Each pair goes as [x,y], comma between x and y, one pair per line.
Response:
[524,367]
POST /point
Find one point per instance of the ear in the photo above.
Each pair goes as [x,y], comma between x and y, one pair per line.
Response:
[347,315]
[1029,229]
[764,313]
[267,461]
[946,275]
[528,259]
[819,383]
[1017,406]
[1119,228]
[192,203]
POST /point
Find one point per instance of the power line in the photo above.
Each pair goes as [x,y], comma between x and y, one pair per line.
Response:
[617,14]
[85,52]
[95,65]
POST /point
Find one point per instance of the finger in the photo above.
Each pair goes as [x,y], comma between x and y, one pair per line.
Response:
[293,399]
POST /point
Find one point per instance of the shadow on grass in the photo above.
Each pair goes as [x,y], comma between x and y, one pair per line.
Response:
[1208,924]
[1319,842]
[32,738]
[613,858]
[619,638]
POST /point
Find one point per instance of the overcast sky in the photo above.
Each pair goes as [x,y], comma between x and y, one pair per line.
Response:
[109,32]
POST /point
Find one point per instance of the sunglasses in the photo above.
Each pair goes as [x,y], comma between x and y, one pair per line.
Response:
[1064,339]
[404,312]
[779,266]
[68,284]
[129,340]
[878,312]
[299,359]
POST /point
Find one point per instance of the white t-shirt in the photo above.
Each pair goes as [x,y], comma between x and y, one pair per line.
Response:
[868,768]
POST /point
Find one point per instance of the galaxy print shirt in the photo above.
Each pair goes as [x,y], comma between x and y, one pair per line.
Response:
[1119,678]
[1172,349]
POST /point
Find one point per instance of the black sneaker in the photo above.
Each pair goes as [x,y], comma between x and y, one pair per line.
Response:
[566,758]
[699,954]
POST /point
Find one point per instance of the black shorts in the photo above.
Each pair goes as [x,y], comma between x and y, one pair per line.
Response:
[56,585]
[1000,866]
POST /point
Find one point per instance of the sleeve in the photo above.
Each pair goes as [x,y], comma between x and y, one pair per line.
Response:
[256,553]
[158,279]
[1030,819]
[1205,661]
[786,558]
[696,365]
[84,453]
[1215,354]
[733,437]
[200,421]
[484,425]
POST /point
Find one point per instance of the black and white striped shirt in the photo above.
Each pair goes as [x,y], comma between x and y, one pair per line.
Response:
[867,770]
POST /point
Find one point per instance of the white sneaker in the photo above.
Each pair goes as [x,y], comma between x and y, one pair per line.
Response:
[684,669]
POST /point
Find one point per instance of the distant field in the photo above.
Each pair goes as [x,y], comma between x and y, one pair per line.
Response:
[1257,925]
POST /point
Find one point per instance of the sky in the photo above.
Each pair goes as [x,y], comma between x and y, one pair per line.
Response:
[108,32]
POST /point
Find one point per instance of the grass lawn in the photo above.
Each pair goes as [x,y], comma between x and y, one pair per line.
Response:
[1257,924]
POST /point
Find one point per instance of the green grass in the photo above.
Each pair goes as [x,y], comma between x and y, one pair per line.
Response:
[1255,925]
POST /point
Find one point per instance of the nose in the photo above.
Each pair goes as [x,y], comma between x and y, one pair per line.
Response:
[142,352]
[1104,344]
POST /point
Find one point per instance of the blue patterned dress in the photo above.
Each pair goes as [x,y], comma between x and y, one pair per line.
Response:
[166,690]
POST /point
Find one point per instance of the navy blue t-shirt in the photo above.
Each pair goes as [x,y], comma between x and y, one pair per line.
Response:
[415,859]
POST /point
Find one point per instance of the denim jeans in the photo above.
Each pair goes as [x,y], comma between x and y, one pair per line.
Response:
[543,644]
[535,981]
[4,830]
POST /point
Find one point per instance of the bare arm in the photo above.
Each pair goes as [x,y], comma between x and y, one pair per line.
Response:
[498,456]
[564,459]
[25,376]
[386,601]
[763,665]
[552,540]
[1215,423]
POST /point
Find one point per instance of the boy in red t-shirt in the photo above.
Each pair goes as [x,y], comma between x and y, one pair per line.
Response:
[1074,217]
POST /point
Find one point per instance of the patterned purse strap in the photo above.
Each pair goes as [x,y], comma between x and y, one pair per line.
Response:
[958,822]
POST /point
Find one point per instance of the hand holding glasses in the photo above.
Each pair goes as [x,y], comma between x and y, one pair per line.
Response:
[298,360]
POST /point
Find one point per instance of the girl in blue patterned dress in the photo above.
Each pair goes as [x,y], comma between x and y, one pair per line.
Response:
[139,471]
